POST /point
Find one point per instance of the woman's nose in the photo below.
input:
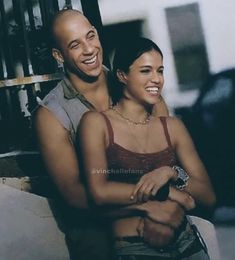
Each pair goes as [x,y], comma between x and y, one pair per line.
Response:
[156,77]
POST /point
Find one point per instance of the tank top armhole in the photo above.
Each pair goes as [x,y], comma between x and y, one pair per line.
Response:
[166,132]
[109,127]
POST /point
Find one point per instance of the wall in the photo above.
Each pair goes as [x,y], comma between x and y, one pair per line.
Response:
[217,18]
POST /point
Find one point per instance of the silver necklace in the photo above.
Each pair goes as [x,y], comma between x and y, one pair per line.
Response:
[144,122]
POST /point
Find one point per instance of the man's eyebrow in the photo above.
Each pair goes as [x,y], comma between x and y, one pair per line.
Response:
[92,29]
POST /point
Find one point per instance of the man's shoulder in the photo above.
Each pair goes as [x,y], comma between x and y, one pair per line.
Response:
[52,106]
[67,110]
[55,95]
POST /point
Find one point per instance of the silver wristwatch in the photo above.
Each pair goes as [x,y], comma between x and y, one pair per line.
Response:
[182,178]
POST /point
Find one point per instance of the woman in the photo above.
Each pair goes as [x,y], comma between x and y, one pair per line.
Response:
[129,154]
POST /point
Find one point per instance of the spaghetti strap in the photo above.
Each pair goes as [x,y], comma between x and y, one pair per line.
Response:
[164,124]
[110,128]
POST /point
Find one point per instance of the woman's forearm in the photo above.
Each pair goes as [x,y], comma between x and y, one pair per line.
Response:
[201,191]
[112,193]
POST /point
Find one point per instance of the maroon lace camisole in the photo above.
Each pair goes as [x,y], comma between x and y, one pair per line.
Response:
[128,166]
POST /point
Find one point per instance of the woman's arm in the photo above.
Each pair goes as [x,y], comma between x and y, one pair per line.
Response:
[93,140]
[199,185]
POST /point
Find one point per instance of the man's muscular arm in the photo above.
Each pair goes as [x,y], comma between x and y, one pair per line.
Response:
[60,158]
[161,109]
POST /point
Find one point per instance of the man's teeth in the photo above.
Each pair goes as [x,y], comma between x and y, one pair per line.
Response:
[90,61]
[153,90]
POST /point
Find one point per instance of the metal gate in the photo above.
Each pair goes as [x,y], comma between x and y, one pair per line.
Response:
[27,69]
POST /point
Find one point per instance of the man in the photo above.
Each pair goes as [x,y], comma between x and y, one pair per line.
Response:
[85,87]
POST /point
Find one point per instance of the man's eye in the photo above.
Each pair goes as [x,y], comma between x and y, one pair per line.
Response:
[91,36]
[161,71]
[74,46]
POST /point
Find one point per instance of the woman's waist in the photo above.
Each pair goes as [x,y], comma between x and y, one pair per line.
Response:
[126,226]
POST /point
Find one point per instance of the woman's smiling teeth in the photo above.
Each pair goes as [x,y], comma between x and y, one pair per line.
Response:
[91,61]
[153,90]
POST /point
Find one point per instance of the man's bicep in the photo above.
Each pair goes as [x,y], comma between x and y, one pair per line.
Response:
[57,150]
[161,108]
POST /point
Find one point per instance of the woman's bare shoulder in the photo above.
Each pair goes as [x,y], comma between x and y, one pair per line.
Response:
[175,121]
[92,118]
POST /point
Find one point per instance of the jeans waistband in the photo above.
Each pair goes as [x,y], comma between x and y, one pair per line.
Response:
[131,239]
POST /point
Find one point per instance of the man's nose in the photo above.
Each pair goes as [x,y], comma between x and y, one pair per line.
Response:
[87,47]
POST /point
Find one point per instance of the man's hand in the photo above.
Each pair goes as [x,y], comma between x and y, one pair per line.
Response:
[182,197]
[167,212]
[155,234]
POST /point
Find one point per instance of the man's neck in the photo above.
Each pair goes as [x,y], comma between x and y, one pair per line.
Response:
[95,92]
[85,87]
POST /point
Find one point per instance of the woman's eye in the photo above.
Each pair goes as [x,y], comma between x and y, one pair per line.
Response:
[145,71]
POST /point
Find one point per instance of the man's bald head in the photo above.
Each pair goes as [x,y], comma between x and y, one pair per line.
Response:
[62,19]
[76,44]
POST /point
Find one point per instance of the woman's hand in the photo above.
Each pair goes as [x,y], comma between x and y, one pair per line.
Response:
[150,183]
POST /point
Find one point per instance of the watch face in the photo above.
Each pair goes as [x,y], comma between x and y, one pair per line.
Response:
[181,173]
[182,179]
[179,182]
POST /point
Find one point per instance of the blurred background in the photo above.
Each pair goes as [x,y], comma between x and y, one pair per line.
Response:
[197,39]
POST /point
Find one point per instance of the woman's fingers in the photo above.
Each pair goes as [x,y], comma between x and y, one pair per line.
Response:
[143,191]
[147,191]
[136,189]
[154,190]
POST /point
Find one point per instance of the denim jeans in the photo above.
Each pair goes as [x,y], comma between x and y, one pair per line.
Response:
[197,256]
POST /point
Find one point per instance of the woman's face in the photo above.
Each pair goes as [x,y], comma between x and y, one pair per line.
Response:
[144,81]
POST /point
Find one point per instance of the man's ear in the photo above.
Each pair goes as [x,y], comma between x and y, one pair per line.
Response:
[121,76]
[57,55]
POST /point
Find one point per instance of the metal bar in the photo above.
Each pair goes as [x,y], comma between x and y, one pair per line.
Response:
[26,59]
[68,4]
[7,120]
[31,14]
[3,67]
[47,9]
[5,41]
[55,5]
[43,12]
[22,25]
[30,80]
[92,12]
